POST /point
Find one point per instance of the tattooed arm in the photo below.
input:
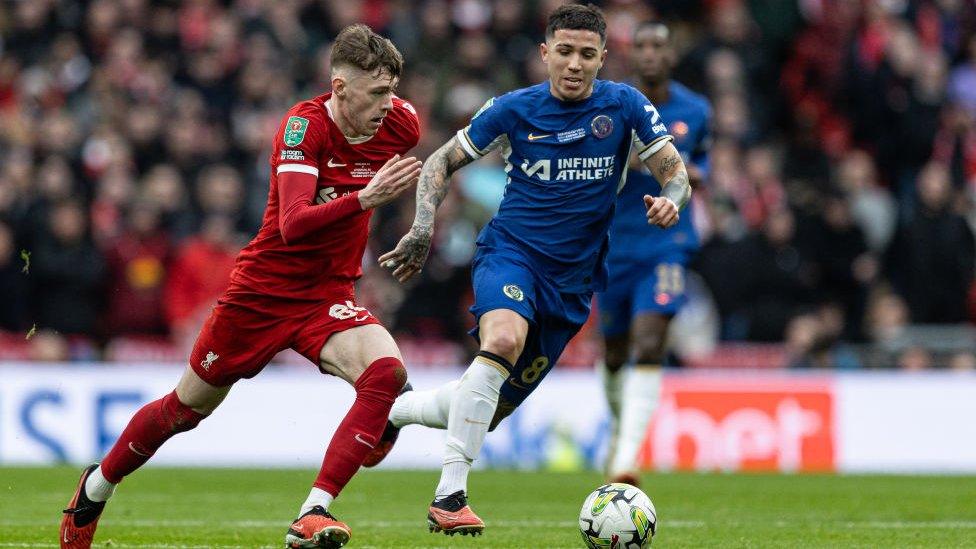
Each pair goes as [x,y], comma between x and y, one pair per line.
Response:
[668,168]
[410,254]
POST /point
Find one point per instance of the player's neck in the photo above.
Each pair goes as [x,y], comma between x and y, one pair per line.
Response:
[659,93]
[589,92]
[342,122]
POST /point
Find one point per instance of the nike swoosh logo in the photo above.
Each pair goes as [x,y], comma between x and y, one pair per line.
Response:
[450,517]
[332,164]
[357,319]
[469,420]
[134,451]
[533,137]
[66,540]
[360,439]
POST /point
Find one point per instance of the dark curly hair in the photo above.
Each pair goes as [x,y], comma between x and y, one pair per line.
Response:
[577,17]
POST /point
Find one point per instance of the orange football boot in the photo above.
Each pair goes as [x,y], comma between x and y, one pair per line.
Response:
[630,477]
[452,515]
[317,529]
[81,517]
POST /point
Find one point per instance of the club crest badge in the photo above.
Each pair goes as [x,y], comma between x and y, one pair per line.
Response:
[209,360]
[514,292]
[295,130]
[602,126]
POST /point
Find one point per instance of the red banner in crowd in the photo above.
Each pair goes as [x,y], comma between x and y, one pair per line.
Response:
[749,424]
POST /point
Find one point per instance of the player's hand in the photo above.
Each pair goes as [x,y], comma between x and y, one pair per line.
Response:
[410,254]
[661,211]
[396,176]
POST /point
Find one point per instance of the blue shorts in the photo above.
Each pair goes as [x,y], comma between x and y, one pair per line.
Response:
[642,287]
[504,279]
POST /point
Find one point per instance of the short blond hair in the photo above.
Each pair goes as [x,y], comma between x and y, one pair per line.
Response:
[358,46]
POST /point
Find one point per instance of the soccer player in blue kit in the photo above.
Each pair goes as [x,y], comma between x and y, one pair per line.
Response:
[646,287]
[566,143]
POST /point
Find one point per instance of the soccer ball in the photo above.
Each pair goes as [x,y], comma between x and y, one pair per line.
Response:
[617,516]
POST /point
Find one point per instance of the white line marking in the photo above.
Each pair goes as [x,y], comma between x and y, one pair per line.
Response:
[673,523]
[140,545]
[665,524]
[888,524]
[184,546]
[190,523]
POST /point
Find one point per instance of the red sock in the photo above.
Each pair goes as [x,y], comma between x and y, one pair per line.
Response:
[148,429]
[360,430]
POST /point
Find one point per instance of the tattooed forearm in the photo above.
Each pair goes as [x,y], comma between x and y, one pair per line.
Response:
[664,163]
[670,171]
[678,189]
[435,181]
[411,252]
[667,166]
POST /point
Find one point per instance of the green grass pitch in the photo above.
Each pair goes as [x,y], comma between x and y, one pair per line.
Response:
[223,508]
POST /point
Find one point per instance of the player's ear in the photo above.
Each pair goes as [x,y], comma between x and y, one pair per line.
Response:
[338,86]
[544,51]
[603,56]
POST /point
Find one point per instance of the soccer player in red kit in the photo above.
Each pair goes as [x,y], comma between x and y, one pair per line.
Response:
[336,157]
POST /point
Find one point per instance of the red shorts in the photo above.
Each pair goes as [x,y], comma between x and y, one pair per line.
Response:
[243,334]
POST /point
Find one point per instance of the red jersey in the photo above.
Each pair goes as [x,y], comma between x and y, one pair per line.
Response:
[312,266]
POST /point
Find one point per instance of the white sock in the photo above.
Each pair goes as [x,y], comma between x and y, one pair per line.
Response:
[612,382]
[454,474]
[641,393]
[97,488]
[428,408]
[317,496]
[472,408]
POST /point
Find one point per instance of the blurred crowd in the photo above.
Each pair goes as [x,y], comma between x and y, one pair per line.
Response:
[135,134]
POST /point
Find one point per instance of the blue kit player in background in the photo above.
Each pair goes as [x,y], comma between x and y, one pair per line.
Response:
[647,264]
[566,143]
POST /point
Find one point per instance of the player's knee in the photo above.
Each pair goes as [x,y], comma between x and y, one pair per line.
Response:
[383,378]
[504,343]
[177,417]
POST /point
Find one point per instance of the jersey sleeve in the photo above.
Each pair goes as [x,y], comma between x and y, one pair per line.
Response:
[299,216]
[412,126]
[405,126]
[299,142]
[650,131]
[298,146]
[487,128]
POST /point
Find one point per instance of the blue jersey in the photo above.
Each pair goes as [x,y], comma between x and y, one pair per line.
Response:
[688,117]
[564,161]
